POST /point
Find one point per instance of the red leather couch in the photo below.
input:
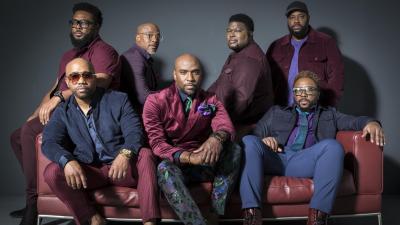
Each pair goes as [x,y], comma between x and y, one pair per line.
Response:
[285,198]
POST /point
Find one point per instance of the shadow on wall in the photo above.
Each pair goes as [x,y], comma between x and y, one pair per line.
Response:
[391,180]
[359,96]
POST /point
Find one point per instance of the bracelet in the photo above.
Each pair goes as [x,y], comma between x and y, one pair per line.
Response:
[218,137]
[190,154]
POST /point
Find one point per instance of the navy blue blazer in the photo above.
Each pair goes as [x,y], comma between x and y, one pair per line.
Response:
[279,122]
[118,127]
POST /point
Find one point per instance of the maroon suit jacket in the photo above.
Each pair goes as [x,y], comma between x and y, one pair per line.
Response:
[168,129]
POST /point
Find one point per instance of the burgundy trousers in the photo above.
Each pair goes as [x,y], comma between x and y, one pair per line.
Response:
[23,143]
[141,174]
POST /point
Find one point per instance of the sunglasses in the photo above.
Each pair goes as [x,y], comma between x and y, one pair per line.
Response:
[298,91]
[75,76]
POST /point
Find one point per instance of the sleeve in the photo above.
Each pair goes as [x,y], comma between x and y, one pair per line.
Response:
[349,122]
[131,127]
[153,125]
[106,60]
[262,128]
[222,121]
[335,71]
[139,72]
[54,136]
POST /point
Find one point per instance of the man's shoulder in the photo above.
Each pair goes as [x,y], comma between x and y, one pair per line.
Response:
[318,36]
[281,41]
[253,52]
[113,95]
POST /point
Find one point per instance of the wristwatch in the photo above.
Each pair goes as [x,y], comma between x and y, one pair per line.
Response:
[126,152]
[60,95]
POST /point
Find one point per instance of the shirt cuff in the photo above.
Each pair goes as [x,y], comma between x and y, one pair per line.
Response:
[176,157]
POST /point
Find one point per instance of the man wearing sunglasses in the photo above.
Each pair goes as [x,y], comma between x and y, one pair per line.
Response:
[85,25]
[139,77]
[299,141]
[107,136]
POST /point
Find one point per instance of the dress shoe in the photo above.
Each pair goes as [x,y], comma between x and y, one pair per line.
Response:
[30,215]
[18,213]
[316,217]
[252,216]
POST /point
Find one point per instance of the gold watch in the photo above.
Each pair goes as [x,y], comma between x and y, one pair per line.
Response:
[126,152]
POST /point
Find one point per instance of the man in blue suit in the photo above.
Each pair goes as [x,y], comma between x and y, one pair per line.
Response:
[299,141]
[107,147]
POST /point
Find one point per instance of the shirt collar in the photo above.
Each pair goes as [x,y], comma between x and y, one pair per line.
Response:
[142,52]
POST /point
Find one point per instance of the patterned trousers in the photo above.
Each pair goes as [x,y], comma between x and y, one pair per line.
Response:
[224,174]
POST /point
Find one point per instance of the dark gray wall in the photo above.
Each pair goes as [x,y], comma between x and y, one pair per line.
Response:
[35,34]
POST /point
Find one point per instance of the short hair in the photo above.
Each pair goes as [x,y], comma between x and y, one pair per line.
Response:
[307,74]
[243,18]
[87,7]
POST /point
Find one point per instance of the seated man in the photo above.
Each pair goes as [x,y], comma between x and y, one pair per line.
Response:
[139,77]
[107,140]
[245,84]
[189,129]
[299,141]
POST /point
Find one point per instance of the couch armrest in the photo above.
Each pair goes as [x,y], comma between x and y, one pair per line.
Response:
[364,160]
[42,162]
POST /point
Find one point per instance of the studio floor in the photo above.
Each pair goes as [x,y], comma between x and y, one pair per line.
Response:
[391,206]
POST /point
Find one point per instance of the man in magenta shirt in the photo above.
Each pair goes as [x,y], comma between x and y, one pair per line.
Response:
[85,25]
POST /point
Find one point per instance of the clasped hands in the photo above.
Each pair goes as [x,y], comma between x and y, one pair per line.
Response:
[76,177]
[207,154]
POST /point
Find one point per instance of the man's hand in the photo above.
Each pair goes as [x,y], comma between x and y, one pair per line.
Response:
[119,167]
[47,108]
[74,175]
[272,143]
[375,132]
[209,151]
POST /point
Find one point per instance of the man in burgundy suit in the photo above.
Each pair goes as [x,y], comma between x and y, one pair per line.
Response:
[108,148]
[190,130]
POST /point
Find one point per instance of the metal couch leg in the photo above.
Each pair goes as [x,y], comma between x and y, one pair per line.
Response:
[39,220]
[379,218]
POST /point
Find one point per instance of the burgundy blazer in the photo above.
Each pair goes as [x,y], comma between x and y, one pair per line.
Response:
[170,131]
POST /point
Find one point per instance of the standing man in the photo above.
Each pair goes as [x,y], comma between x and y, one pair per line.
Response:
[138,77]
[108,148]
[85,25]
[305,49]
[244,85]
[190,130]
[299,141]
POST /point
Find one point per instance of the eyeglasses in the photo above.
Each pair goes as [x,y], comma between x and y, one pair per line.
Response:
[150,36]
[298,91]
[75,76]
[81,23]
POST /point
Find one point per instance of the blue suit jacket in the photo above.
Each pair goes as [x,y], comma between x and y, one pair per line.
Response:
[118,127]
[279,122]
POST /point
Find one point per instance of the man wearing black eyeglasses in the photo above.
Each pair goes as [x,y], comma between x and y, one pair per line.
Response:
[299,141]
[139,77]
[85,25]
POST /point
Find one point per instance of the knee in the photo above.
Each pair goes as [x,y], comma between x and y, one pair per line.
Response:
[52,173]
[14,137]
[252,146]
[334,148]
[163,167]
[146,154]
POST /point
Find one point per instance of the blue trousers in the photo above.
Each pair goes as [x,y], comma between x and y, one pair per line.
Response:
[323,162]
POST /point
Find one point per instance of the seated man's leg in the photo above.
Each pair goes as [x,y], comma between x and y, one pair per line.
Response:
[171,181]
[77,201]
[258,160]
[226,174]
[147,185]
[324,163]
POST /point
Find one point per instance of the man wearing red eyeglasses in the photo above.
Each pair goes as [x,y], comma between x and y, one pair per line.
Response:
[85,25]
[108,140]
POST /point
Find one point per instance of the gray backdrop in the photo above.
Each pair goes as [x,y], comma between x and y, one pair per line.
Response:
[35,34]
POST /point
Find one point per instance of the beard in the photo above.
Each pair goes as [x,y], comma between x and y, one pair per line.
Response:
[83,42]
[301,33]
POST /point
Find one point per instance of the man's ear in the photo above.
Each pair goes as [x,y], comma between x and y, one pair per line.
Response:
[174,74]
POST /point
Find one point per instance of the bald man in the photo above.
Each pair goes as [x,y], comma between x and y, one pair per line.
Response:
[190,130]
[139,78]
[108,147]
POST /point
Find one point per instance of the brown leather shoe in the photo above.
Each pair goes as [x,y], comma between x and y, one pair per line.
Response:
[316,217]
[252,216]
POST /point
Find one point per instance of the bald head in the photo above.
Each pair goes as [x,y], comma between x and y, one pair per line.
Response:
[187,73]
[77,65]
[148,37]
